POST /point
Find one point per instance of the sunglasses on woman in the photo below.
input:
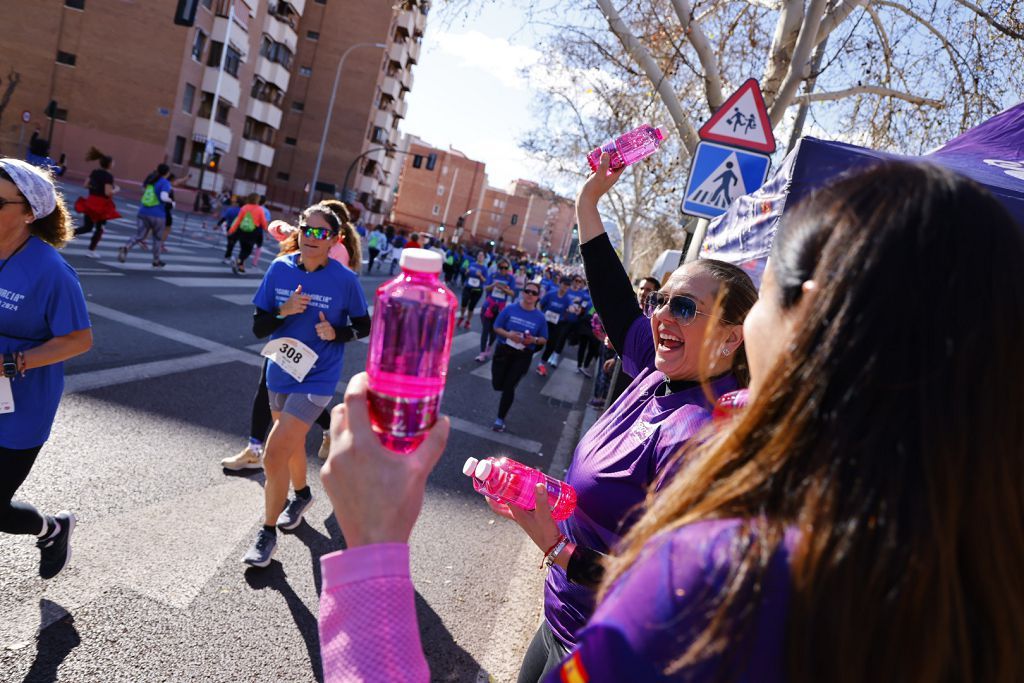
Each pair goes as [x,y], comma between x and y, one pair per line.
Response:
[683,308]
[317,233]
[531,292]
[5,202]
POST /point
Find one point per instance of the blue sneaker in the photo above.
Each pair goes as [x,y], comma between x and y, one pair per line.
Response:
[291,517]
[499,425]
[261,550]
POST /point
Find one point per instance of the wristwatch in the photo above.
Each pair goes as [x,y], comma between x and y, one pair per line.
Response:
[10,366]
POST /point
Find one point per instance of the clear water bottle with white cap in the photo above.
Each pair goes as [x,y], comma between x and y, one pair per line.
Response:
[410,343]
[507,481]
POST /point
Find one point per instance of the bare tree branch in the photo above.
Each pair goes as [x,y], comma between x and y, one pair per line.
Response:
[867,90]
[1003,28]
[708,60]
[798,66]
[836,15]
[787,28]
[643,58]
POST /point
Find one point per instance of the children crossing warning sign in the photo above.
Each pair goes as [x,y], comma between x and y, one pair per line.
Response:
[742,121]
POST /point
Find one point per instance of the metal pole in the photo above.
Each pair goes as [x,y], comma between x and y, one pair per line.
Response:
[216,99]
[327,118]
[693,253]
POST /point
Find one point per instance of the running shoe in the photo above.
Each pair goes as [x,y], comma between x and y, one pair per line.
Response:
[325,446]
[291,517]
[499,425]
[542,369]
[261,550]
[248,459]
[482,357]
[553,362]
[92,253]
[583,371]
[159,264]
[122,254]
[227,261]
[468,323]
[55,549]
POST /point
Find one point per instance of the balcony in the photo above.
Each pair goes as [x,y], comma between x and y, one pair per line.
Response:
[272,72]
[382,119]
[400,108]
[414,52]
[238,31]
[419,23]
[365,183]
[281,32]
[230,90]
[398,53]
[220,133]
[243,188]
[256,152]
[391,87]
[213,182]
[406,79]
[405,24]
[264,112]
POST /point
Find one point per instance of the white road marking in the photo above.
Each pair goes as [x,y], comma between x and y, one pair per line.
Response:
[97,379]
[240,281]
[564,384]
[237,299]
[504,438]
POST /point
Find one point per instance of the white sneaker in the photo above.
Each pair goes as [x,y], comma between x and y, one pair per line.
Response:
[92,253]
[553,361]
[247,459]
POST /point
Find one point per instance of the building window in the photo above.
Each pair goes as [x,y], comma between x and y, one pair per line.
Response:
[189,98]
[276,52]
[305,71]
[417,160]
[208,4]
[431,161]
[312,35]
[222,112]
[266,92]
[231,61]
[59,114]
[195,157]
[291,141]
[258,131]
[379,135]
[250,170]
[440,190]
[515,218]
[281,175]
[198,44]
[298,106]
[436,210]
[179,150]
[320,2]
[75,4]
[65,58]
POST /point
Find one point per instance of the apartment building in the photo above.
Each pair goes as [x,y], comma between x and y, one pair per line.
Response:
[235,102]
[446,194]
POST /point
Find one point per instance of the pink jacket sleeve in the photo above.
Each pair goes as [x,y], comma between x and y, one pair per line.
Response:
[368,628]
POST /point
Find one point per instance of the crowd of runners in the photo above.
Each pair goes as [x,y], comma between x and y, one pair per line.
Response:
[856,516]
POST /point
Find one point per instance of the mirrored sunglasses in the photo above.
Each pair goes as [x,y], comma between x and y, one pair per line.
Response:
[682,307]
[317,233]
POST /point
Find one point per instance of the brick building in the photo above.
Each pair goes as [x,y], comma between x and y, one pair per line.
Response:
[129,81]
[437,188]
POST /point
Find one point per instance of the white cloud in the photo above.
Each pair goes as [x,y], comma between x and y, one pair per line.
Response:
[496,56]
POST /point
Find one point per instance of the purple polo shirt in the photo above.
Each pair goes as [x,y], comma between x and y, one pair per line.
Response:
[660,606]
[614,464]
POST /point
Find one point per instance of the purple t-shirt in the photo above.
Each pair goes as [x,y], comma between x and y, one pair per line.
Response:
[615,463]
[663,603]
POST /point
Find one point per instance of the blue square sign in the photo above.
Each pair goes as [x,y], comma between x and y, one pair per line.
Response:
[719,174]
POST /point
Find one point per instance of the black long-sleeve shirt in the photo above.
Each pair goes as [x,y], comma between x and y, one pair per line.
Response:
[265,322]
[610,289]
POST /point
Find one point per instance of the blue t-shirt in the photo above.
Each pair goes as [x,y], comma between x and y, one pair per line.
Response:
[515,318]
[160,186]
[579,298]
[554,305]
[40,298]
[547,285]
[476,275]
[500,296]
[336,293]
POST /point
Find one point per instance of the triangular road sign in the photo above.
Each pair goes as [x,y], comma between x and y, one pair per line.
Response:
[742,121]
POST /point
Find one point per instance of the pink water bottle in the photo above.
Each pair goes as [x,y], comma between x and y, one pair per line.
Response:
[506,481]
[628,148]
[410,341]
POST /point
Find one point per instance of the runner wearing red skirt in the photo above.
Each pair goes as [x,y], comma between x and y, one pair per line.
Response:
[98,206]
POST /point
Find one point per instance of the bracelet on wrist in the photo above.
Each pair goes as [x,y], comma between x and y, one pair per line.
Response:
[553,551]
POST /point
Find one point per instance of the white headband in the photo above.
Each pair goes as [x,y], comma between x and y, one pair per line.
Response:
[34,183]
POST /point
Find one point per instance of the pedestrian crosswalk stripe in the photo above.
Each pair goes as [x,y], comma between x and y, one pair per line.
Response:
[237,299]
[241,281]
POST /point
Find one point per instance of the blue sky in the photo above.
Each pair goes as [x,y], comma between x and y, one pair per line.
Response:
[468,92]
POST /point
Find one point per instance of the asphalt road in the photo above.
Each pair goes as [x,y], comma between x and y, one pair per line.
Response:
[156,590]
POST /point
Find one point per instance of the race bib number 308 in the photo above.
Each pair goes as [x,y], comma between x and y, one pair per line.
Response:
[291,355]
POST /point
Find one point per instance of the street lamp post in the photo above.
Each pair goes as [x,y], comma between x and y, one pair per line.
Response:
[330,108]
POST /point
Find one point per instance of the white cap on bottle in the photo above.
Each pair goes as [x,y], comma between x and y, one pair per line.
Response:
[483,470]
[469,467]
[421,261]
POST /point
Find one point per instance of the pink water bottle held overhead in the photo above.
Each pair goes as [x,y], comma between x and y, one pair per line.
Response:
[410,342]
[628,148]
[506,481]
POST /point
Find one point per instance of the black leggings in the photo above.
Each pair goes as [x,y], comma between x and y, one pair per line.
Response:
[588,350]
[557,335]
[17,517]
[470,298]
[87,227]
[544,655]
[261,419]
[508,367]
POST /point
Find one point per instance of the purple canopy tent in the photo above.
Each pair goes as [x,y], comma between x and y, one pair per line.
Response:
[991,153]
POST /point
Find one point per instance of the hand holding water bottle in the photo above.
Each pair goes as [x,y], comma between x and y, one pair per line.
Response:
[376,493]
[537,523]
[599,182]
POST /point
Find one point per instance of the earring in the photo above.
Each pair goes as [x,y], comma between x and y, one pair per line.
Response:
[725,351]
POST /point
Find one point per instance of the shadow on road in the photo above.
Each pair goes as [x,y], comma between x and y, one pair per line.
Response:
[447,661]
[275,578]
[53,644]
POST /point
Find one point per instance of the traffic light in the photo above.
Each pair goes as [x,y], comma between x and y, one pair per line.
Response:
[214,163]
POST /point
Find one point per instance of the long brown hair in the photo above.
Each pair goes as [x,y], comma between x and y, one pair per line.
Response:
[890,438]
[55,228]
[337,216]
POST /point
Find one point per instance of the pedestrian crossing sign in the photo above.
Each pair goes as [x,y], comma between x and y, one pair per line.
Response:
[718,175]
